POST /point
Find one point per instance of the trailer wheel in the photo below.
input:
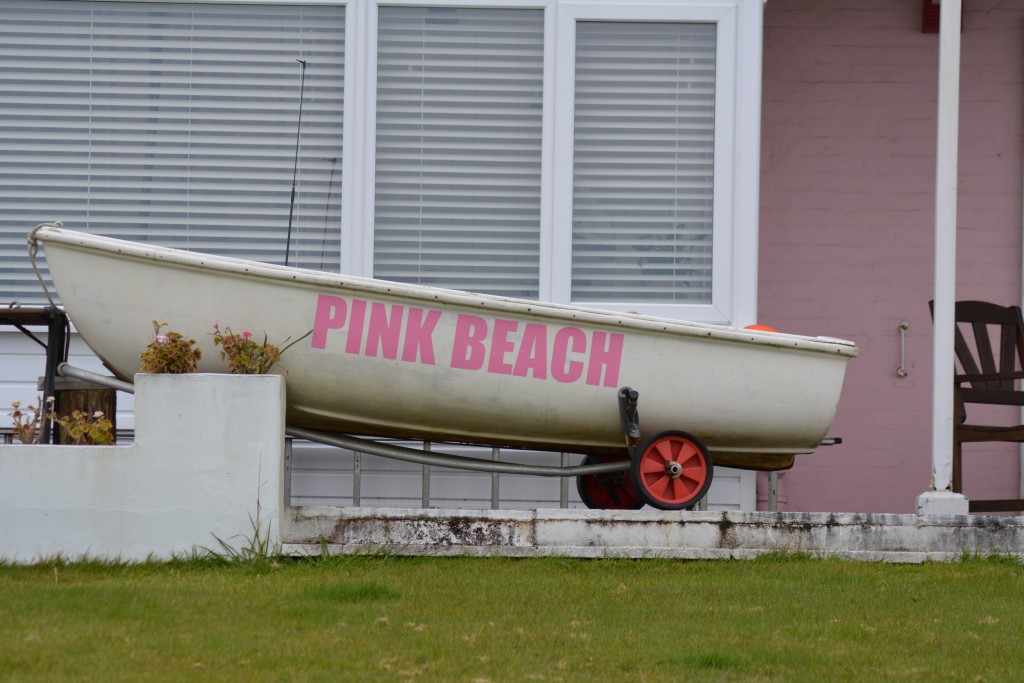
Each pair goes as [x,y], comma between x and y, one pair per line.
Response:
[608,491]
[672,470]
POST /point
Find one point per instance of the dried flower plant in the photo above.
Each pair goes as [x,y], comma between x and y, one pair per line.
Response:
[27,423]
[79,427]
[170,353]
[245,356]
[84,429]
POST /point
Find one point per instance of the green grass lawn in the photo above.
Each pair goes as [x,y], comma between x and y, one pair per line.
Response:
[388,618]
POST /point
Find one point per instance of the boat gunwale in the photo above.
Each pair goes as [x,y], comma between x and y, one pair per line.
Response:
[438,295]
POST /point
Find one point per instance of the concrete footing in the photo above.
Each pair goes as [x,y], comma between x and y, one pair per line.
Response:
[636,534]
[942,503]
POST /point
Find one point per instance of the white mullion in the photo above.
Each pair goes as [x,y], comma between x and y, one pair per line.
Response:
[368,139]
[562,154]
[724,243]
[746,123]
[353,219]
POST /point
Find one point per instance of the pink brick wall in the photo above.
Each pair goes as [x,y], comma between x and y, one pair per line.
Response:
[847,223]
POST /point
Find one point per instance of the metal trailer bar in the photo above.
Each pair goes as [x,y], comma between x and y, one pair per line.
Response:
[458,462]
[65,370]
[392,451]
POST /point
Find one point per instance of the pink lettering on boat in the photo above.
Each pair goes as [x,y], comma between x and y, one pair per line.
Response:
[498,346]
[568,340]
[419,336]
[468,350]
[533,352]
[355,328]
[385,329]
[330,315]
[607,355]
[501,346]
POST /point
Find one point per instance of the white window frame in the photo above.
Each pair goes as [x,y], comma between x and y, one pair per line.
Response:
[737,143]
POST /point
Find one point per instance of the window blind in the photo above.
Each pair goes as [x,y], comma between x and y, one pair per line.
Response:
[173,124]
[643,182]
[458,148]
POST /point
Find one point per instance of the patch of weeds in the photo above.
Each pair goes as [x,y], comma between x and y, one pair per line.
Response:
[324,553]
[253,550]
[992,559]
[784,557]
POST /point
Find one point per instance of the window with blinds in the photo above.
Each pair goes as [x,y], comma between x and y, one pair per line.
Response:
[579,152]
[643,162]
[458,148]
[175,124]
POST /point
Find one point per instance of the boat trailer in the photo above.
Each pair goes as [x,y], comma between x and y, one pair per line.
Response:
[671,470]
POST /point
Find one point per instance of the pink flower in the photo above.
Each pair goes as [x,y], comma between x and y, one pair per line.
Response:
[162,339]
[246,334]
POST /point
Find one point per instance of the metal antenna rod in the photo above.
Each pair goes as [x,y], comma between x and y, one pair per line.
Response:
[295,168]
[327,207]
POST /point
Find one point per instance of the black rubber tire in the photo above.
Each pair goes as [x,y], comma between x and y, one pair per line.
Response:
[611,491]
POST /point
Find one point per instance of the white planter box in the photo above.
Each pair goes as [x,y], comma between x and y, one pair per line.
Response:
[206,464]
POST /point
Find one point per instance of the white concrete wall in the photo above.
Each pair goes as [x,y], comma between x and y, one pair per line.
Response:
[207,459]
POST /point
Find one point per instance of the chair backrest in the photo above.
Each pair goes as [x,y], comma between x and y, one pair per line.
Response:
[989,345]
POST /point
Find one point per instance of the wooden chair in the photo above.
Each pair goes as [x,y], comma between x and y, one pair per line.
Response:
[989,375]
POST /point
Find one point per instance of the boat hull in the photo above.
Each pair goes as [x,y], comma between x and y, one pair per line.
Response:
[393,360]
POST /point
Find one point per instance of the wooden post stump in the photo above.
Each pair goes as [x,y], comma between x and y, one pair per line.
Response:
[75,394]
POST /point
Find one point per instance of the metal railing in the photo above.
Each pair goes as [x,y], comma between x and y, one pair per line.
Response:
[425,500]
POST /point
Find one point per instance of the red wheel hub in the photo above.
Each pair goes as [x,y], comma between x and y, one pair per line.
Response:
[673,471]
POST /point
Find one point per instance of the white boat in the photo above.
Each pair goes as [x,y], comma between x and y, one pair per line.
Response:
[393,360]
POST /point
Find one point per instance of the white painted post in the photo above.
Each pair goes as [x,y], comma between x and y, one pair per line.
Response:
[425,497]
[940,499]
[495,480]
